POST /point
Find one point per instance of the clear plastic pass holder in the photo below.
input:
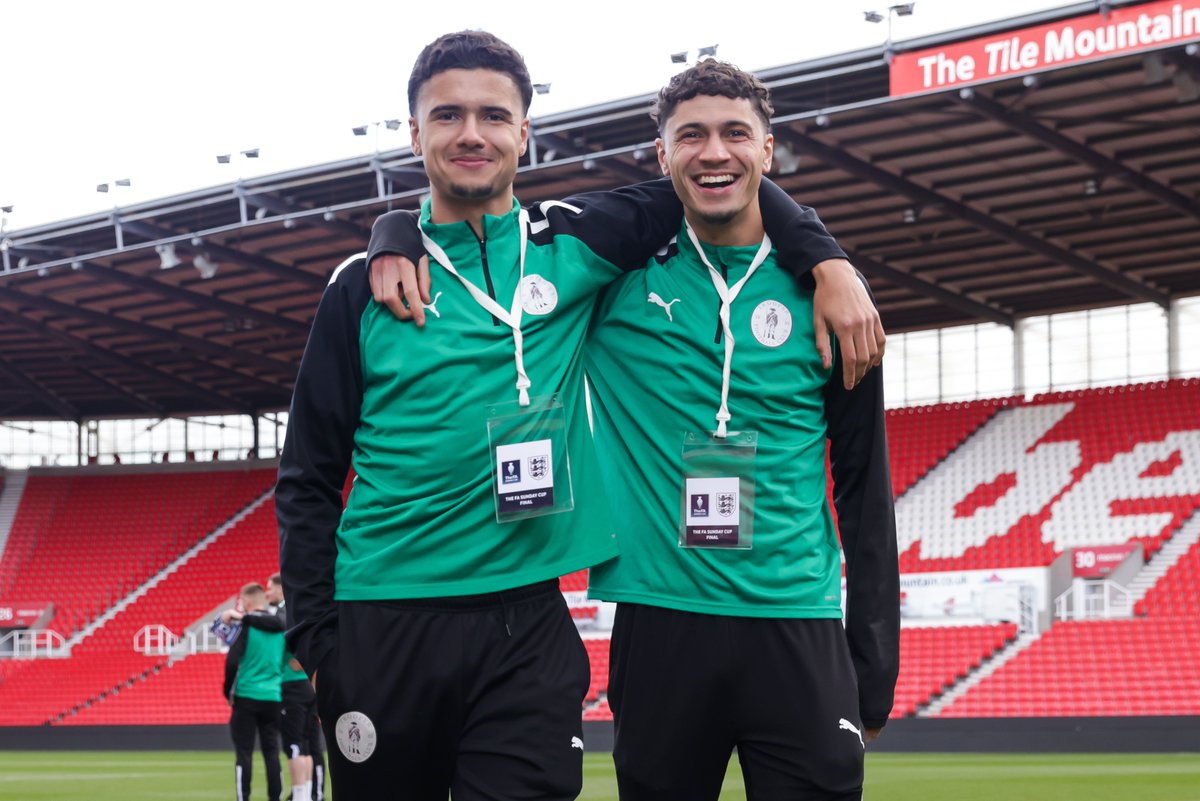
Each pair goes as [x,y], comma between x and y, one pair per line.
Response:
[531,466]
[717,506]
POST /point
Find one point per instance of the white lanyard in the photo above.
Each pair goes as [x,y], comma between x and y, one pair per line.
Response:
[510,318]
[727,294]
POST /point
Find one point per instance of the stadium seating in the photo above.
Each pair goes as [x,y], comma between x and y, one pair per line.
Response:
[1178,592]
[574,582]
[186,692]
[921,436]
[934,658]
[1085,431]
[1108,667]
[104,661]
[598,657]
[94,538]
[102,533]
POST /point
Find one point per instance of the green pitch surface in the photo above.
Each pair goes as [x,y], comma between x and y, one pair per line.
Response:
[208,776]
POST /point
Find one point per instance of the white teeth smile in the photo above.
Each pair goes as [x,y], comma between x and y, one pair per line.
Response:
[715,180]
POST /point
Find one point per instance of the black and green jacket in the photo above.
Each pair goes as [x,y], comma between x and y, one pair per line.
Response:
[254,664]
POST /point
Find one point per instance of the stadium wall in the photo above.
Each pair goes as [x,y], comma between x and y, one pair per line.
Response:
[1141,734]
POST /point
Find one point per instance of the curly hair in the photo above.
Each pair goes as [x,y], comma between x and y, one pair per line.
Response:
[713,78]
[469,50]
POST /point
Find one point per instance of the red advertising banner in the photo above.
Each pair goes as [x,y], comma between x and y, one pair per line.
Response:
[1071,41]
[1100,560]
[22,614]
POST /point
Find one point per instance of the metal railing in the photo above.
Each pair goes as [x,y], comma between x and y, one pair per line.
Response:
[155,640]
[34,644]
[1094,600]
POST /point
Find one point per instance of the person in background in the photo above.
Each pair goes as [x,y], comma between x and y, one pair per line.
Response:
[253,678]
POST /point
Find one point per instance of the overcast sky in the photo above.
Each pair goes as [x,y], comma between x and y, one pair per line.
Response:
[98,91]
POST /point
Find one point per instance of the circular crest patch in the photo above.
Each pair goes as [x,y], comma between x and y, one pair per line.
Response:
[538,296]
[771,323]
[355,736]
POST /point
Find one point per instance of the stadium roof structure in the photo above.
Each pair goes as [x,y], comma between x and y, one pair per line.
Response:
[1065,183]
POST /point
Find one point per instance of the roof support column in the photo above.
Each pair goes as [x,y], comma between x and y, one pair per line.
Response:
[1174,341]
[1018,360]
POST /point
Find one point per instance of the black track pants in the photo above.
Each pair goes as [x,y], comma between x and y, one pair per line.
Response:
[478,696]
[686,689]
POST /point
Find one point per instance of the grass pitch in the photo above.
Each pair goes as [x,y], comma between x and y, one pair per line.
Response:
[208,776]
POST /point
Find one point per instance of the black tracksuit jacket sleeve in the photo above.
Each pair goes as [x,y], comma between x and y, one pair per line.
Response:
[315,461]
[862,495]
[626,226]
[232,660]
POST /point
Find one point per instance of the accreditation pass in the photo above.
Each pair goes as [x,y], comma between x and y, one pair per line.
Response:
[524,476]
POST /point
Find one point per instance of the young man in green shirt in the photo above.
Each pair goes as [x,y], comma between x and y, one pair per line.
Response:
[298,717]
[253,675]
[712,410]
[428,612]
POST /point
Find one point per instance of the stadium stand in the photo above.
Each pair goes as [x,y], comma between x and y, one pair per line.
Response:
[1107,667]
[598,656]
[1060,453]
[184,692]
[1123,463]
[94,538]
[933,658]
[920,437]
[48,689]
[1177,594]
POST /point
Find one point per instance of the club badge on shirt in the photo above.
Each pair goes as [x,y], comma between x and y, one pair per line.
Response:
[538,296]
[771,323]
[356,736]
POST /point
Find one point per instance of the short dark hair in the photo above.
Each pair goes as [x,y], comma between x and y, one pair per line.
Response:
[469,50]
[252,589]
[275,579]
[714,78]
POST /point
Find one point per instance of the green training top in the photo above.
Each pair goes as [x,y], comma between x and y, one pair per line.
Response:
[420,520]
[407,407]
[260,669]
[654,359]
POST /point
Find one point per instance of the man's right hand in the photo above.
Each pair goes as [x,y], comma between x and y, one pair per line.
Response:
[400,286]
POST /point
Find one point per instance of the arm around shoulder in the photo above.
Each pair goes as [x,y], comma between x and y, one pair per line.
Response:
[862,493]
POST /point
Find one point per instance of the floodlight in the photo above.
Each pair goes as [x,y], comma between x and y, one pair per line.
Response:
[1153,69]
[166,256]
[679,58]
[542,88]
[206,266]
[710,51]
[1185,86]
[359,130]
[394,125]
[786,160]
[872,16]
[252,153]
[6,209]
[902,9]
[224,158]
[101,187]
